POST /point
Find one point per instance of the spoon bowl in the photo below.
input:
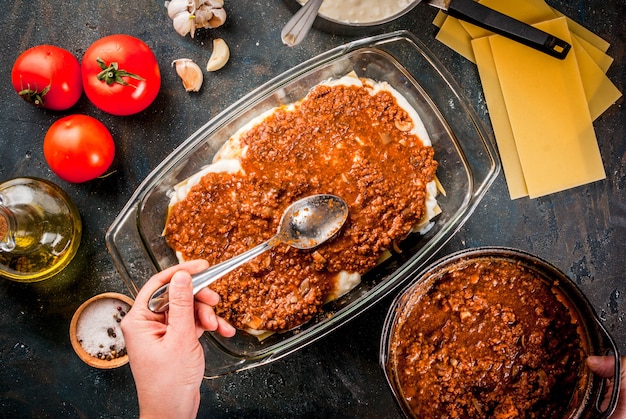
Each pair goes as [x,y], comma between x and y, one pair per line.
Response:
[309,222]
[305,224]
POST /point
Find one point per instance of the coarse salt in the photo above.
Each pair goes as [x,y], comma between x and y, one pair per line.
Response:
[98,328]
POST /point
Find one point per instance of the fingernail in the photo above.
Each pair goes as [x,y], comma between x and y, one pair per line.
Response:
[231,328]
[181,278]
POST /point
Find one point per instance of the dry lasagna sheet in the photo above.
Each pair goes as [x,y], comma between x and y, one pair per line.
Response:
[356,138]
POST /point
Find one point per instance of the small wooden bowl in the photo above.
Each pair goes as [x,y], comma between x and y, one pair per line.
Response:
[82,353]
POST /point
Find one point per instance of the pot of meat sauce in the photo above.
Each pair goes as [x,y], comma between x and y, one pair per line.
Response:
[495,333]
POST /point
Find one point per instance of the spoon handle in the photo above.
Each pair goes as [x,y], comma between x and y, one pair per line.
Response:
[159,301]
[298,26]
[207,277]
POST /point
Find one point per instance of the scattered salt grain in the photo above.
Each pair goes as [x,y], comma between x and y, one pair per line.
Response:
[98,328]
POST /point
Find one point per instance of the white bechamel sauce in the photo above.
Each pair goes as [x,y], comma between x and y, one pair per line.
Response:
[361,11]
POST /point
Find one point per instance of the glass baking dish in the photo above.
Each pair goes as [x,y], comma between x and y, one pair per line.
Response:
[468,164]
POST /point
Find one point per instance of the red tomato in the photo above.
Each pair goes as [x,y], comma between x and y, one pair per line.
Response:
[78,148]
[121,75]
[48,76]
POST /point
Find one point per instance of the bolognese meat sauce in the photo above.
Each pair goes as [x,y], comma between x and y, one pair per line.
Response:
[489,339]
[343,140]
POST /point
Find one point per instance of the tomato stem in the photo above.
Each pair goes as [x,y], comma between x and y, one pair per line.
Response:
[33,95]
[112,74]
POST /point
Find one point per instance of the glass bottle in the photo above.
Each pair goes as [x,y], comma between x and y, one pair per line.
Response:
[40,229]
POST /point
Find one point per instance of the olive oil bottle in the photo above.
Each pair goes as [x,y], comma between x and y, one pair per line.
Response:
[40,229]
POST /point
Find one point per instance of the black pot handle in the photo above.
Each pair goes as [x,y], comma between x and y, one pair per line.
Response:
[487,18]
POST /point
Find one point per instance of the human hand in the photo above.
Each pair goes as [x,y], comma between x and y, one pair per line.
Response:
[604,366]
[166,358]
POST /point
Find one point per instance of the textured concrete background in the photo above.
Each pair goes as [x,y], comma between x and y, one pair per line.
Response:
[582,231]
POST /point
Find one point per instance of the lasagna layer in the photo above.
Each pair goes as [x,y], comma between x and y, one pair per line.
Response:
[351,137]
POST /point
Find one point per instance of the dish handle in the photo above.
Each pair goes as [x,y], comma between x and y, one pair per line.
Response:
[607,348]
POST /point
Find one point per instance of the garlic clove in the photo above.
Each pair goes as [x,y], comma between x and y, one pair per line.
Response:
[174,7]
[218,19]
[190,73]
[219,56]
[183,23]
[203,17]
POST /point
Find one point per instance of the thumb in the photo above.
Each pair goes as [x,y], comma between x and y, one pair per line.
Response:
[604,366]
[601,365]
[180,318]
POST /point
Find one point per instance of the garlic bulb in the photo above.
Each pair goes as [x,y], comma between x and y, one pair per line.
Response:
[189,15]
[190,73]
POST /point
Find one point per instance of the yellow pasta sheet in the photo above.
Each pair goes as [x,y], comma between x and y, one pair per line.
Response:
[549,114]
[531,95]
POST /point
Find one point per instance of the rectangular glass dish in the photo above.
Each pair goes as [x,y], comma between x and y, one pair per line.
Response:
[466,154]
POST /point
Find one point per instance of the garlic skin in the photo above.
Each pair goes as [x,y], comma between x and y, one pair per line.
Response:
[190,73]
[189,15]
[184,23]
[219,56]
[176,7]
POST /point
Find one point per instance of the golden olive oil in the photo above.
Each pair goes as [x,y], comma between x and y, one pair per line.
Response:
[40,229]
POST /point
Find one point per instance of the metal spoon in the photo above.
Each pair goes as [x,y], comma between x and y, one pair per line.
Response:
[305,224]
[298,26]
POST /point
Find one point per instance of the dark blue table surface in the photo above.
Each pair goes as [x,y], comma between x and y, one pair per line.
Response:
[582,231]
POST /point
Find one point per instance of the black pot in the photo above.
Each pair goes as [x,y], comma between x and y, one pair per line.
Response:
[595,340]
